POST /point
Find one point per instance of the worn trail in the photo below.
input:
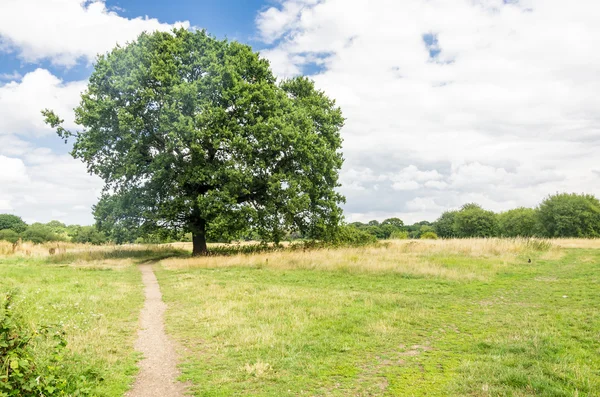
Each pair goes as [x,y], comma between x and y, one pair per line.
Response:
[158,369]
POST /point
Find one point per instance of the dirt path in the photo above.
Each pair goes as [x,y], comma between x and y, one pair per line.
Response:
[158,369]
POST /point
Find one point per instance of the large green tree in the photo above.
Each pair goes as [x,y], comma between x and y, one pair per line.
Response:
[194,133]
[570,215]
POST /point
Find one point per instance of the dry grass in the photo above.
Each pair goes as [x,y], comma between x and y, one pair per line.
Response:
[577,242]
[426,258]
[82,254]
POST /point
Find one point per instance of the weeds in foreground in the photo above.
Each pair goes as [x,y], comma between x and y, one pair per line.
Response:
[24,372]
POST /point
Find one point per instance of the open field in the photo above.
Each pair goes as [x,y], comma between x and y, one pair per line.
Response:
[423,318]
[434,318]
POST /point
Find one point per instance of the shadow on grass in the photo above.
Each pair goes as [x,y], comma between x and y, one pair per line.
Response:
[150,254]
[300,245]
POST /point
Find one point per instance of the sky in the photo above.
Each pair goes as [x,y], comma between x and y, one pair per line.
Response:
[446,101]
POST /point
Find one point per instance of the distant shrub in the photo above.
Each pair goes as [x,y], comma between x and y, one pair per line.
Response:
[429,236]
[9,235]
[352,236]
[88,235]
[38,233]
[12,222]
[399,235]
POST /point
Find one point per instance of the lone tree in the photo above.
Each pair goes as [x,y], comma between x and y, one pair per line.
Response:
[195,134]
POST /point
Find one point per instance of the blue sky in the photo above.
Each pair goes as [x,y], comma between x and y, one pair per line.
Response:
[446,101]
[234,20]
[224,18]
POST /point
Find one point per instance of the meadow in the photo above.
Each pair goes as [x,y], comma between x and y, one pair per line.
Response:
[472,317]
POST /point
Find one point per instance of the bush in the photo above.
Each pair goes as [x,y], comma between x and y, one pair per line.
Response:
[88,235]
[38,233]
[12,222]
[352,236]
[9,235]
[22,372]
[429,236]
[570,215]
[399,235]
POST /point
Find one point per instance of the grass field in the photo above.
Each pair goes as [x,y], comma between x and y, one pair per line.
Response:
[95,300]
[440,318]
[405,318]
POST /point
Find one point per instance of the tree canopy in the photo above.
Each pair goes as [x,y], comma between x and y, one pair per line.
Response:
[12,222]
[570,215]
[193,133]
[518,222]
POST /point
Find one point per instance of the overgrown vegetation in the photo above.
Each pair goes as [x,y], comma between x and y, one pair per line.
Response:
[34,361]
[70,329]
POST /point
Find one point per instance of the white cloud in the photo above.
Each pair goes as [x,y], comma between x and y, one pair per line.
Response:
[37,182]
[12,170]
[21,102]
[66,30]
[41,186]
[504,114]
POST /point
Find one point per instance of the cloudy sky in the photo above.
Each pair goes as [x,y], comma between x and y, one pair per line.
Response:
[447,101]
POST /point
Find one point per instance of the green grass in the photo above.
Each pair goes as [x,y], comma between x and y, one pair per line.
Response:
[96,304]
[512,329]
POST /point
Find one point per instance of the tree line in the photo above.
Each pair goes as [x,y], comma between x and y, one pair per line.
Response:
[559,215]
[13,229]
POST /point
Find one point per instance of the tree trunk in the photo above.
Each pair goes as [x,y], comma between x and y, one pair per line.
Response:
[199,239]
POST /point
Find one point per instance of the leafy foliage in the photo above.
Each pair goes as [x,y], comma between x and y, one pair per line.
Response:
[445,226]
[22,372]
[430,235]
[399,235]
[39,233]
[9,235]
[191,133]
[518,222]
[474,221]
[89,235]
[380,231]
[353,236]
[570,215]
[12,222]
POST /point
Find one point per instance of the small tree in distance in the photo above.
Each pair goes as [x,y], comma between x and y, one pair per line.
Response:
[191,133]
[518,222]
[12,222]
[474,221]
